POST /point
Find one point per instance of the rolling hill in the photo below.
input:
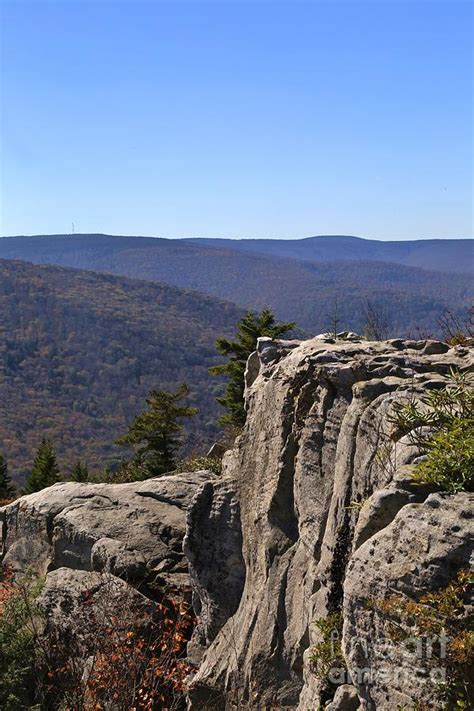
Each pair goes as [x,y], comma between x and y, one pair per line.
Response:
[412,299]
[447,255]
[79,352]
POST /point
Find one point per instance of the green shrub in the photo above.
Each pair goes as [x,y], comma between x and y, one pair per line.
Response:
[18,641]
[449,464]
[441,423]
[194,464]
[326,655]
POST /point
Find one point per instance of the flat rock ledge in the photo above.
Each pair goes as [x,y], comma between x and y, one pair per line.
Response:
[132,531]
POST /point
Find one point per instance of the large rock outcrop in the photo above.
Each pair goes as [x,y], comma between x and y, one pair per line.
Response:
[314,517]
[316,511]
[132,531]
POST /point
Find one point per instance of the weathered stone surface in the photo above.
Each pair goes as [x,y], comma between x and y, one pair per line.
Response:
[420,551]
[345,699]
[133,531]
[83,609]
[252,369]
[213,547]
[316,446]
[382,507]
[108,552]
[65,592]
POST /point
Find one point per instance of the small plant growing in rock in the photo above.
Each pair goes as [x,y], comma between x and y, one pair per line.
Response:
[450,459]
[440,616]
[327,659]
[356,505]
[441,423]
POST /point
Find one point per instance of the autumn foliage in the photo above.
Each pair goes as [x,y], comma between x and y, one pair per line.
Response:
[113,653]
[7,590]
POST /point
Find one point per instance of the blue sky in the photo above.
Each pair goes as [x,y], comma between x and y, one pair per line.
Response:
[237,119]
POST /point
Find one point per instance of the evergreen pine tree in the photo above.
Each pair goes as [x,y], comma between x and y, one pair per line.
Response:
[80,473]
[45,470]
[157,433]
[7,490]
[250,327]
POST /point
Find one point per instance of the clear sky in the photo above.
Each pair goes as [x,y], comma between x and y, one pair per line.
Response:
[237,119]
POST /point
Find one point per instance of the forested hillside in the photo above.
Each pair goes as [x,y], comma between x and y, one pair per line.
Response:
[79,352]
[410,298]
[446,255]
[94,250]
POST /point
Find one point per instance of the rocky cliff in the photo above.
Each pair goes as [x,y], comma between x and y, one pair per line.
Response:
[314,518]
[314,524]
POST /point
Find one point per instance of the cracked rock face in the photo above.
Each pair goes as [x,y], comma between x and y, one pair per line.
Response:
[213,547]
[132,531]
[312,483]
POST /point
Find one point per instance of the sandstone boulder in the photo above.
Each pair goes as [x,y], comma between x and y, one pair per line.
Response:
[419,552]
[133,531]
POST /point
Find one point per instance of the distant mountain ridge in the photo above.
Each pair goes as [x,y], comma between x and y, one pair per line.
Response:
[446,255]
[307,291]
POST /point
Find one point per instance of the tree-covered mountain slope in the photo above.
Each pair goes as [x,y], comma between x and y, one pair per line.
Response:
[446,255]
[89,250]
[410,298]
[79,352]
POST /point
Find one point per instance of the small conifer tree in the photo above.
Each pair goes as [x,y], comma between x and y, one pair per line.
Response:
[7,490]
[157,433]
[45,470]
[80,472]
[250,327]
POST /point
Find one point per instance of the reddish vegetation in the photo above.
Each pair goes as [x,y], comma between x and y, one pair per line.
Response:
[148,668]
[7,588]
[112,656]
